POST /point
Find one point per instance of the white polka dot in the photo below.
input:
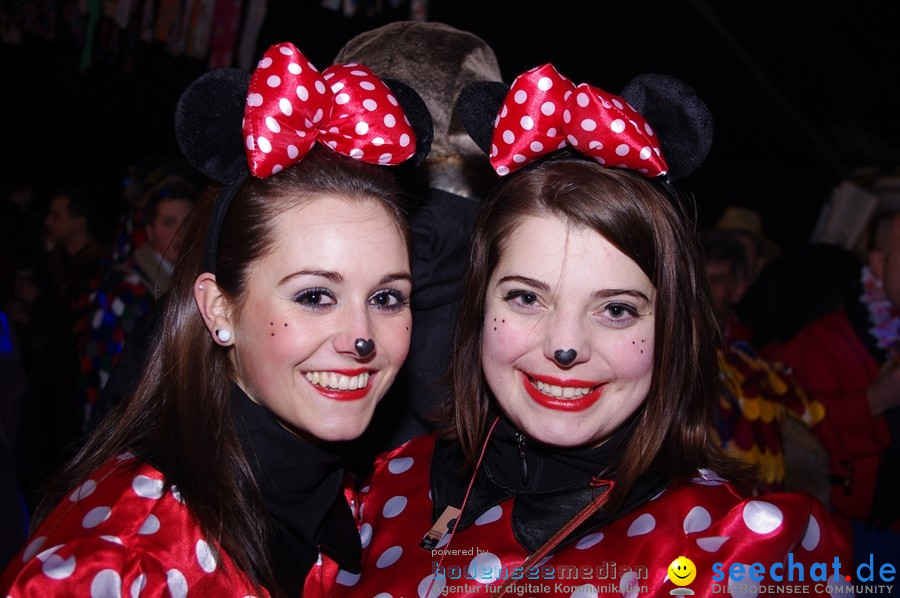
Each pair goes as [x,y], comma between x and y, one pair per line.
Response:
[646,153]
[582,99]
[548,108]
[436,588]
[265,63]
[589,540]
[277,168]
[485,568]
[551,132]
[345,578]
[56,567]
[376,142]
[489,516]
[359,73]
[404,140]
[811,537]
[630,584]
[273,81]
[697,520]
[545,83]
[503,112]
[362,128]
[595,145]
[264,144]
[293,152]
[711,543]
[341,99]
[365,534]
[370,104]
[112,539]
[527,123]
[138,585]
[394,506]
[177,584]
[272,125]
[150,525]
[106,584]
[294,68]
[642,525]
[648,129]
[356,153]
[520,97]
[249,143]
[302,93]
[536,146]
[518,158]
[367,85]
[95,517]
[588,124]
[617,126]
[584,591]
[400,464]
[285,106]
[339,85]
[508,136]
[567,116]
[205,556]
[383,595]
[286,51]
[385,158]
[762,517]
[83,491]
[622,150]
[742,589]
[389,557]
[320,87]
[33,548]
[502,170]
[146,487]
[571,141]
[389,120]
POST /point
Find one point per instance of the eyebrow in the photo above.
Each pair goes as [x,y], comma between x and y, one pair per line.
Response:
[338,278]
[599,294]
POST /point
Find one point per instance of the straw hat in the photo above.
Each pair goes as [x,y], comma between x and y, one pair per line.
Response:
[745,220]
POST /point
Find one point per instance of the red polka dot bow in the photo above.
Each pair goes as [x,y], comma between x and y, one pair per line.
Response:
[544,111]
[291,106]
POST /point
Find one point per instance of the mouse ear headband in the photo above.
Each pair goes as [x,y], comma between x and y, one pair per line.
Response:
[231,125]
[657,127]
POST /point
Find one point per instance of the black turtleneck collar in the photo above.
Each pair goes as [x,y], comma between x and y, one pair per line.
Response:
[301,486]
[549,485]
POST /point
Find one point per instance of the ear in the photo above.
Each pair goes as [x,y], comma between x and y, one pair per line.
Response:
[214,309]
[876,263]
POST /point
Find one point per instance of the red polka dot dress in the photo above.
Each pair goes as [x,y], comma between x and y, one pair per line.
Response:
[120,534]
[628,555]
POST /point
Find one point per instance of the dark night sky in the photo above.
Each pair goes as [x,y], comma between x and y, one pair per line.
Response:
[801,95]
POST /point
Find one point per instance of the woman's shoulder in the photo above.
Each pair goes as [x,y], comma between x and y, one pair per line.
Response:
[119,528]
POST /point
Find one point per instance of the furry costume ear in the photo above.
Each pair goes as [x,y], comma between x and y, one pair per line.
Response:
[477,107]
[681,119]
[417,112]
[208,121]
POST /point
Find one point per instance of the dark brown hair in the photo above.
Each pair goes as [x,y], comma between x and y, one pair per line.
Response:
[180,411]
[671,433]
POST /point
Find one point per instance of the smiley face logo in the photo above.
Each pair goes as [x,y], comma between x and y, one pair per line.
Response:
[682,571]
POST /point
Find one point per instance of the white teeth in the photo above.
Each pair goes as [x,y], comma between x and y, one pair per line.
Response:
[338,381]
[567,392]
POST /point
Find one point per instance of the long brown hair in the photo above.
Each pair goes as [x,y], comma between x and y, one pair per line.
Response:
[672,429]
[180,411]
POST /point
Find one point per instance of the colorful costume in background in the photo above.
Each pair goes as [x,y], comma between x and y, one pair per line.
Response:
[626,553]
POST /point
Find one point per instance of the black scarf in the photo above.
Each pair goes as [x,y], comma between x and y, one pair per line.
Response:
[549,485]
[301,486]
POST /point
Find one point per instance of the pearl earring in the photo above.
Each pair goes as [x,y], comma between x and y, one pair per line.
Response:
[224,335]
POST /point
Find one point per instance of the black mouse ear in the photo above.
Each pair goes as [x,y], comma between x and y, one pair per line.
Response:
[477,107]
[418,115]
[680,118]
[208,122]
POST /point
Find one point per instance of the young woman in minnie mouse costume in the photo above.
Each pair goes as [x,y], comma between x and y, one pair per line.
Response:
[577,459]
[287,320]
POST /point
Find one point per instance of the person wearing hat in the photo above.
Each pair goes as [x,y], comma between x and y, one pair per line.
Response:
[747,223]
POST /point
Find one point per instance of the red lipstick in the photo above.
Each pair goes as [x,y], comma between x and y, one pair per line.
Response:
[558,403]
[346,395]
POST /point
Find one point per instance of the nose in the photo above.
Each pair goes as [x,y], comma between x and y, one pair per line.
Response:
[566,343]
[356,337]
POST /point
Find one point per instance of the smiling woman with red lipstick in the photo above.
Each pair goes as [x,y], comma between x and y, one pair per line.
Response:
[286,322]
[576,460]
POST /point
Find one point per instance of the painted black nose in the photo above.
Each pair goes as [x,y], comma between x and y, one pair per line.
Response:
[565,357]
[365,346]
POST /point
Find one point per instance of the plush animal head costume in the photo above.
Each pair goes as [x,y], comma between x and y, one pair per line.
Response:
[437,61]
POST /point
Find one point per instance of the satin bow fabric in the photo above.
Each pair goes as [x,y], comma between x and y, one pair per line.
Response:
[291,106]
[544,112]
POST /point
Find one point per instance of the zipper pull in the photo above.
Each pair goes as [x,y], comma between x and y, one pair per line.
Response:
[520,439]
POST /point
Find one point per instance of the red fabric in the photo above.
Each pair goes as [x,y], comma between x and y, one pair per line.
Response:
[544,111]
[290,106]
[118,534]
[833,366]
[705,521]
